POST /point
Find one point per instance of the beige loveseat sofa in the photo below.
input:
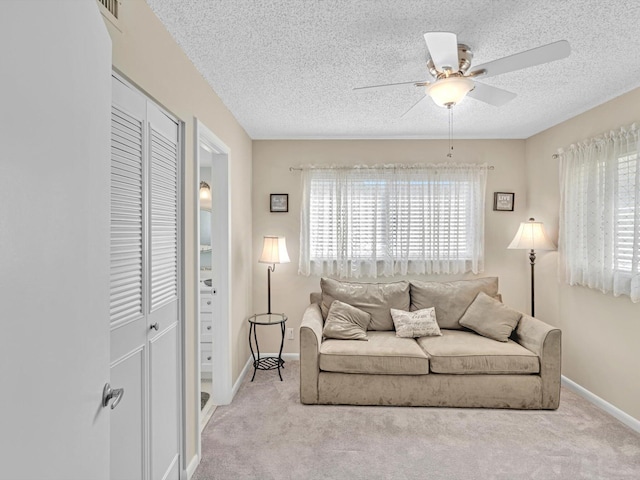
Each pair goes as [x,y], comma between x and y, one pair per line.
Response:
[460,368]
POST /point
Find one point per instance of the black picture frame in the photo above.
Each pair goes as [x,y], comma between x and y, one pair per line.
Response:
[279,202]
[503,201]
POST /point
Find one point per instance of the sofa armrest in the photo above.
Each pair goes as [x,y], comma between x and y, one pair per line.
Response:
[545,341]
[310,340]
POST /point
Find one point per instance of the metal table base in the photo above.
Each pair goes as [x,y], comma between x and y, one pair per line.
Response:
[266,363]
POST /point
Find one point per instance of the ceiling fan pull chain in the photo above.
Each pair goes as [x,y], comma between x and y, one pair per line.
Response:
[450,154]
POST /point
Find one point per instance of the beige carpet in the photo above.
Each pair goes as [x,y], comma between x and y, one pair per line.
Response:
[267,434]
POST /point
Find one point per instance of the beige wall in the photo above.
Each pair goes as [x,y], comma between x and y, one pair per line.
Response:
[145,53]
[600,333]
[290,291]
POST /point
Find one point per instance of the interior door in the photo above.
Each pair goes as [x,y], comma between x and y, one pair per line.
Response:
[163,309]
[144,290]
[129,354]
[54,250]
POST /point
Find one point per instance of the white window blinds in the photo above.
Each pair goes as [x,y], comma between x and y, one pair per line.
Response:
[382,221]
[599,240]
[627,215]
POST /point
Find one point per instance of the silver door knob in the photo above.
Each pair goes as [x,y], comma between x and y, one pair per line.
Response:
[208,302]
[208,327]
[109,393]
[209,358]
[154,326]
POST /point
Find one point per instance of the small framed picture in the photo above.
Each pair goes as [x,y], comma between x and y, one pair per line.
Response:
[503,201]
[279,202]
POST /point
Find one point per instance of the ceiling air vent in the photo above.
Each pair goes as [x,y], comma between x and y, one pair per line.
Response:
[110,6]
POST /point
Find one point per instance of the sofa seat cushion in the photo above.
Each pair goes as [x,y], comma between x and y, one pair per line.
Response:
[384,354]
[462,352]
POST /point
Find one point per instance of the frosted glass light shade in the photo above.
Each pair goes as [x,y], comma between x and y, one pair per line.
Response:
[274,250]
[531,236]
[205,196]
[450,91]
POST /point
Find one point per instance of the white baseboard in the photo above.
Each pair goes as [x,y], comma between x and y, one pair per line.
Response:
[193,464]
[612,410]
[245,370]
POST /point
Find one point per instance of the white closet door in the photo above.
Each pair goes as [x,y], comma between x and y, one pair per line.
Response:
[129,351]
[144,288]
[163,295]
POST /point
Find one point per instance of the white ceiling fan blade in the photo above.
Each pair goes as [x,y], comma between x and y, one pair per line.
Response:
[372,87]
[529,58]
[414,106]
[443,48]
[491,95]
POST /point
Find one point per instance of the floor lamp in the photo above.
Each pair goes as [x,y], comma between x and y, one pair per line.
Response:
[274,250]
[531,236]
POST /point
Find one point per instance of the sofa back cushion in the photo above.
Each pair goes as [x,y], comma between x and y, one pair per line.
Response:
[374,298]
[450,299]
[315,297]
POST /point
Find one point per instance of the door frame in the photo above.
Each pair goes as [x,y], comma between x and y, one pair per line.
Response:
[222,388]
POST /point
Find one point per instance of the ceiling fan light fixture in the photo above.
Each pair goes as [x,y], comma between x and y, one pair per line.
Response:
[449,91]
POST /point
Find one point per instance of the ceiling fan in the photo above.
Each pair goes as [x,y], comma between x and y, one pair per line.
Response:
[451,77]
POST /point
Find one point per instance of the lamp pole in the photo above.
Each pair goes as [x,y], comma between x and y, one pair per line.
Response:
[532,260]
[270,269]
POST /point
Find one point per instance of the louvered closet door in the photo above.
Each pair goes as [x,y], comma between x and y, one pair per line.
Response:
[163,295]
[129,355]
[144,288]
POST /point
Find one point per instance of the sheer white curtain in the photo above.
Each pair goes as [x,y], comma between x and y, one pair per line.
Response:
[389,220]
[599,241]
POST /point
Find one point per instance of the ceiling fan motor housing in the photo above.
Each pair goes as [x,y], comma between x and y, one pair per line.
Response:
[465,55]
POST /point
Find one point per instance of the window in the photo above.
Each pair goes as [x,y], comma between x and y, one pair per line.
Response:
[600,213]
[627,212]
[381,221]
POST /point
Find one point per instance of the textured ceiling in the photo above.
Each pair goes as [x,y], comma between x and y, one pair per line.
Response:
[286,68]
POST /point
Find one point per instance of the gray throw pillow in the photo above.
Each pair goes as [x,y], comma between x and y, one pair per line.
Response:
[345,322]
[490,318]
[450,299]
[374,298]
[421,323]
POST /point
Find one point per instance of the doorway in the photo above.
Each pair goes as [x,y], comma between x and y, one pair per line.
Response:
[213,274]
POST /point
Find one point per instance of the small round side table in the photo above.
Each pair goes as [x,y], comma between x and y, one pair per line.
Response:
[266,363]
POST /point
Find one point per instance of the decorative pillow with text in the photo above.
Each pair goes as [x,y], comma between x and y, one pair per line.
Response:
[421,323]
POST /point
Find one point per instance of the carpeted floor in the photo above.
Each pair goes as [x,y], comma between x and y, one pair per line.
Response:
[267,434]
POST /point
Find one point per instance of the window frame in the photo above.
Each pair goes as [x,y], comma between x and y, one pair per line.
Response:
[394,220]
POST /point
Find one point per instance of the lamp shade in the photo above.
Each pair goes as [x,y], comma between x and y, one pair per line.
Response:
[531,236]
[274,250]
[447,92]
[205,196]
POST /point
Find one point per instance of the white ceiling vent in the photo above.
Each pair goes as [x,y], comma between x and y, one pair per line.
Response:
[109,7]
